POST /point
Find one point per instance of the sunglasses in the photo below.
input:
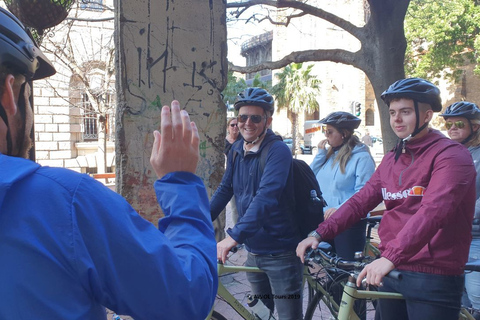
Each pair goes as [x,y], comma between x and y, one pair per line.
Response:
[254,118]
[233,125]
[459,124]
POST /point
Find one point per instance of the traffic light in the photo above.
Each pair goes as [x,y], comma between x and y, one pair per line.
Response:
[358,109]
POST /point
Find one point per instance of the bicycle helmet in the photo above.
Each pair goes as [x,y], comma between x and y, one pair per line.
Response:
[416,89]
[464,109]
[255,97]
[19,51]
[341,119]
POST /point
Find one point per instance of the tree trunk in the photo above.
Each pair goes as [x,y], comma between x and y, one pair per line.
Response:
[384,57]
[168,50]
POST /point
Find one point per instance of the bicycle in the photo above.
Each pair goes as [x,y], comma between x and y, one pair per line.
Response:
[315,289]
[351,293]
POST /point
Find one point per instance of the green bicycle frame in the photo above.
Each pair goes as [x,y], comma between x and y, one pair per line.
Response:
[350,294]
[227,296]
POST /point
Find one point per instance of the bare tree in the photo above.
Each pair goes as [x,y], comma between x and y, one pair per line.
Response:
[84,47]
[380,57]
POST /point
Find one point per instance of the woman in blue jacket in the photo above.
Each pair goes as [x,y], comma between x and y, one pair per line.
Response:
[341,170]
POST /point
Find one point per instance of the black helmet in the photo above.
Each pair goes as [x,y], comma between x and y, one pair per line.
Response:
[464,109]
[19,51]
[341,119]
[416,89]
[255,97]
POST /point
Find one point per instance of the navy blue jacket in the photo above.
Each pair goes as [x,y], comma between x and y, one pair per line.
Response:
[265,202]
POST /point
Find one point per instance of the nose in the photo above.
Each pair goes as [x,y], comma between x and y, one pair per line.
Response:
[396,117]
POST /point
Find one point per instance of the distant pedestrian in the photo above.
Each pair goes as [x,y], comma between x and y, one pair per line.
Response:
[367,139]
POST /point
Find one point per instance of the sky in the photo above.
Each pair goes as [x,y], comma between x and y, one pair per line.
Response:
[240,30]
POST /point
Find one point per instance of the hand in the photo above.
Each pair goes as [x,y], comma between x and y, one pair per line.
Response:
[375,271]
[223,248]
[176,148]
[328,213]
[322,144]
[304,245]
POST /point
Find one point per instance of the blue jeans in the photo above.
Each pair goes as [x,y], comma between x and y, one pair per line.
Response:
[351,240]
[472,279]
[427,296]
[280,285]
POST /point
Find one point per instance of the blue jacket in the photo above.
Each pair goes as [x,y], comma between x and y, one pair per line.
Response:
[338,187]
[264,201]
[69,246]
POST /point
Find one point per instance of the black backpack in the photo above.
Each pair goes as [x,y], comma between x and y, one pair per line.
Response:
[308,213]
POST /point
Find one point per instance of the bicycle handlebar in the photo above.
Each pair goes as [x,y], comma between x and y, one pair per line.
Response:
[318,256]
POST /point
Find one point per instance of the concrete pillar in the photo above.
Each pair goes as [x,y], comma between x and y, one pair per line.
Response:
[168,50]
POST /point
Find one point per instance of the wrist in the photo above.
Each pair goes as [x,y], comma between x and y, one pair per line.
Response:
[316,235]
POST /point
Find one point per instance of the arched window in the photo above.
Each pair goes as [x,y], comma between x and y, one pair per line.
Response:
[369,117]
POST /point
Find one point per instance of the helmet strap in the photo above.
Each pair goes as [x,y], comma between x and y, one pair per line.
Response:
[471,133]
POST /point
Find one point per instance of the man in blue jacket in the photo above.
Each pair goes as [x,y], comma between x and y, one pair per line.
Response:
[70,246]
[264,198]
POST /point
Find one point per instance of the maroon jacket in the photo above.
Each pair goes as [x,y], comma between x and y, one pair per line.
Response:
[429,194]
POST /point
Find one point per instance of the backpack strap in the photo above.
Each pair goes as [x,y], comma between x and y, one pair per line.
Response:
[264,154]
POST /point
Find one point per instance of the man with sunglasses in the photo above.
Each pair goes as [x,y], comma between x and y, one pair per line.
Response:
[69,246]
[265,204]
[462,120]
[428,186]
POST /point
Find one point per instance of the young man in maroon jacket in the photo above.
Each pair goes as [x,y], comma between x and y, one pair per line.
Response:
[428,185]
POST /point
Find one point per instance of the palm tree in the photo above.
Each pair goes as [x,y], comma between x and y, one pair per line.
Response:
[297,90]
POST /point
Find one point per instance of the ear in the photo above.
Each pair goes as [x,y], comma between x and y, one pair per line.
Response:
[475,127]
[269,121]
[428,115]
[8,96]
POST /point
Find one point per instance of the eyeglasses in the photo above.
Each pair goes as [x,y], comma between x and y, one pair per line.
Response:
[233,125]
[459,124]
[255,118]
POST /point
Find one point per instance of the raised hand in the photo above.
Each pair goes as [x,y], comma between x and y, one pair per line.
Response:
[176,147]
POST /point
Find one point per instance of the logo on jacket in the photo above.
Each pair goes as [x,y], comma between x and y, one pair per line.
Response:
[416,191]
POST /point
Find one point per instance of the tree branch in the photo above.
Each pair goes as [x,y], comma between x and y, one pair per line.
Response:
[333,55]
[306,9]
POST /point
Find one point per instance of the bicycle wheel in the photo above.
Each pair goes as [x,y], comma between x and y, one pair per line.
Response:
[334,288]
[217,316]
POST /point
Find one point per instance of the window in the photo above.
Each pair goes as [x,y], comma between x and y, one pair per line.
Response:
[90,132]
[369,117]
[91,118]
[91,5]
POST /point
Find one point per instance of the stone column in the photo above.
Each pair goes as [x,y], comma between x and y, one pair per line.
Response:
[168,50]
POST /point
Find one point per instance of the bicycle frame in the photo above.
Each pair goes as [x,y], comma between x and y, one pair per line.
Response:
[227,296]
[247,313]
[350,294]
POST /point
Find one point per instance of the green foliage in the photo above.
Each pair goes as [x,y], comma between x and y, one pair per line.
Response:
[236,85]
[441,36]
[297,88]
